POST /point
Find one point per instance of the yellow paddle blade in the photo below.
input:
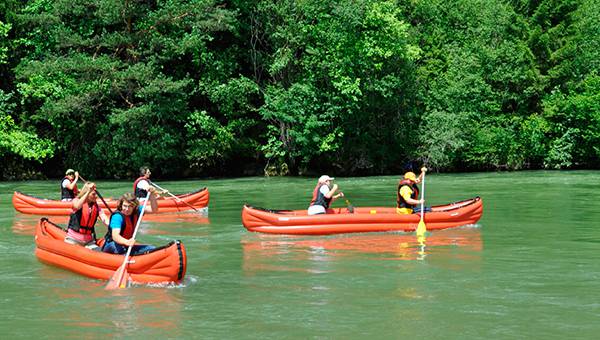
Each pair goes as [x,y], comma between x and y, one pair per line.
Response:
[421,228]
[120,279]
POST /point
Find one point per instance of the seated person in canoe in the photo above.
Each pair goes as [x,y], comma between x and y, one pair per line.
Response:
[408,192]
[68,185]
[323,195]
[83,218]
[123,221]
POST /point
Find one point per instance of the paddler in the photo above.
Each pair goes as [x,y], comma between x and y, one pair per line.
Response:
[408,192]
[68,185]
[323,195]
[142,184]
[123,221]
[81,228]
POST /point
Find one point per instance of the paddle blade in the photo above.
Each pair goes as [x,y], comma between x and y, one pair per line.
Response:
[119,280]
[421,228]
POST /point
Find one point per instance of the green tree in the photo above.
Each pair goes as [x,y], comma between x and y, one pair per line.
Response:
[572,103]
[337,83]
[480,83]
[114,82]
[18,145]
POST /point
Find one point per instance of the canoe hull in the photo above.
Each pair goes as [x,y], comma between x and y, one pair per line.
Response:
[366,219]
[26,204]
[165,265]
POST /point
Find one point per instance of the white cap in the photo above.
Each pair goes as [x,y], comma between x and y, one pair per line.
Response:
[324,178]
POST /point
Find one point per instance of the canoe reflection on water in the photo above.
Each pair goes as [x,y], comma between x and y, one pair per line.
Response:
[159,224]
[262,251]
[25,224]
[118,313]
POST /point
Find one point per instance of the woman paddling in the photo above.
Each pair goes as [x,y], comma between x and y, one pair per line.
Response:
[122,223]
[323,196]
[83,218]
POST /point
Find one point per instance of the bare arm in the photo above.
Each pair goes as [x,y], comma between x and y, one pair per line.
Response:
[420,178]
[406,195]
[104,218]
[153,207]
[71,185]
[332,191]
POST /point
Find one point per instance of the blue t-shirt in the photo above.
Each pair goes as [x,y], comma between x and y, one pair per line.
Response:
[117,219]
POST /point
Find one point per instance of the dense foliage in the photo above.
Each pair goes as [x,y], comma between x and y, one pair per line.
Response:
[208,87]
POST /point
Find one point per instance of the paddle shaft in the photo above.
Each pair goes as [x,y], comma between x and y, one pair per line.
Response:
[122,269]
[421,227]
[422,197]
[135,230]
[176,198]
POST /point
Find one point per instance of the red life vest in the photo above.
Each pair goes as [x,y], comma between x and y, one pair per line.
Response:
[401,203]
[127,225]
[84,219]
[138,192]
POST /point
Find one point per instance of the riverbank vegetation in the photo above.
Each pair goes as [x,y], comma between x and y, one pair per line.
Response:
[207,87]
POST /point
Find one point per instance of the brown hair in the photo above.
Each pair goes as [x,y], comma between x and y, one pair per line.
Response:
[144,170]
[130,198]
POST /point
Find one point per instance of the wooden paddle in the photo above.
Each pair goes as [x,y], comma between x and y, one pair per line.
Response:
[176,198]
[121,277]
[421,228]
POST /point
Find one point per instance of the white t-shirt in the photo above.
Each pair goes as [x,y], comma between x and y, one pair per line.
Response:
[318,209]
[143,184]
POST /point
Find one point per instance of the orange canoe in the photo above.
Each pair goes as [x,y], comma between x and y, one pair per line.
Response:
[366,219]
[164,265]
[40,206]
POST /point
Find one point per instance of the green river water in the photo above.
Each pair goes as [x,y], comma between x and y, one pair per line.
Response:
[528,269]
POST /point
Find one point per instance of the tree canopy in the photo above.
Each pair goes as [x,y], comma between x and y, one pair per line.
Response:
[207,87]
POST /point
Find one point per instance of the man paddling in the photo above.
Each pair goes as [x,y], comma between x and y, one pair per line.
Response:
[408,192]
[142,184]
